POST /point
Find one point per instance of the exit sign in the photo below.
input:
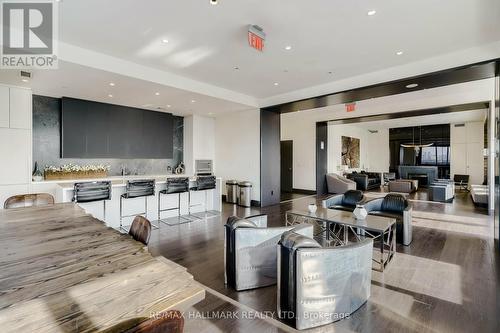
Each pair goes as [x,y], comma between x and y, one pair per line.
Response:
[350,107]
[256,37]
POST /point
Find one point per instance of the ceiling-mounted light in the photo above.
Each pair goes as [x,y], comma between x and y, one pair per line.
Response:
[288,47]
[112,84]
[214,2]
[193,101]
[412,85]
[25,80]
[399,53]
[110,96]
[164,41]
[157,93]
[372,12]
[168,105]
[276,83]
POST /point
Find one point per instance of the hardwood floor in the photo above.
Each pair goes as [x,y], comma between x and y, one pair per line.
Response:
[445,281]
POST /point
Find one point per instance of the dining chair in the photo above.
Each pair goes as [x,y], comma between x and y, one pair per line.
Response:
[29,200]
[140,229]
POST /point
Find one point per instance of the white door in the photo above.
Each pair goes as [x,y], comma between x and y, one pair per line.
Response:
[458,164]
[475,163]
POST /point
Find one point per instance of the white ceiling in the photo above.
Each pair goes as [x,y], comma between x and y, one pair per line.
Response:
[121,41]
[435,119]
[206,42]
[77,81]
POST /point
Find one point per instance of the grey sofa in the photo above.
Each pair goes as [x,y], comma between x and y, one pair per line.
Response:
[346,201]
[318,286]
[339,184]
[442,190]
[479,194]
[250,251]
[366,180]
[395,206]
[403,185]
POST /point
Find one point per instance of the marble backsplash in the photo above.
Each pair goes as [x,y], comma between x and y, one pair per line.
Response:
[47,143]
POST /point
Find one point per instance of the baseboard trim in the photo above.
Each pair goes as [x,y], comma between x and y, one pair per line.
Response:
[301,191]
[254,203]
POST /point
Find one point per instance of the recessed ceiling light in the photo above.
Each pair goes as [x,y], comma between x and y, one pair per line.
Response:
[110,95]
[168,105]
[412,85]
[157,93]
[372,12]
[193,101]
[112,84]
[25,80]
[288,47]
[399,53]
[164,41]
[276,83]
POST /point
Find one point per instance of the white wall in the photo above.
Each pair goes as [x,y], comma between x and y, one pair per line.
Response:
[374,147]
[378,151]
[199,141]
[237,148]
[301,126]
[15,141]
[467,145]
[335,134]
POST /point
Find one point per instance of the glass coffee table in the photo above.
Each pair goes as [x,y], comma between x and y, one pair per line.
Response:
[337,227]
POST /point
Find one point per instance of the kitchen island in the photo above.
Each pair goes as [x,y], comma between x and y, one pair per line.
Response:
[63,192]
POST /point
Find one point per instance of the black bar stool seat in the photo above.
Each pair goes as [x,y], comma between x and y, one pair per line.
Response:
[92,191]
[205,184]
[174,186]
[142,188]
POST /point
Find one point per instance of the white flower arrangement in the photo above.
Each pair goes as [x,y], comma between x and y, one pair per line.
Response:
[68,168]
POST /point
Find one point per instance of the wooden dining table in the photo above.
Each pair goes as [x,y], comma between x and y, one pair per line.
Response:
[62,270]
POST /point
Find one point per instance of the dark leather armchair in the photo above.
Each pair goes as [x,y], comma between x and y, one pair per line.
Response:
[395,206]
[318,286]
[346,201]
[250,251]
[366,180]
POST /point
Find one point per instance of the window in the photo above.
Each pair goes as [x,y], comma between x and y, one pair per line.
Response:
[428,155]
[435,156]
[443,155]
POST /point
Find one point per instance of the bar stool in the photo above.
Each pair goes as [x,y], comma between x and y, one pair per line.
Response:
[206,184]
[137,189]
[92,191]
[174,186]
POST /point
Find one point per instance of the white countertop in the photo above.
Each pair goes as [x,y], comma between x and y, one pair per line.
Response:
[112,178]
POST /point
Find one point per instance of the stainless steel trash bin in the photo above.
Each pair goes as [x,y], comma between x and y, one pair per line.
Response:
[232,191]
[245,194]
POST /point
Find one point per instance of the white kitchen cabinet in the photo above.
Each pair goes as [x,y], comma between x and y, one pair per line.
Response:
[15,152]
[4,106]
[20,104]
